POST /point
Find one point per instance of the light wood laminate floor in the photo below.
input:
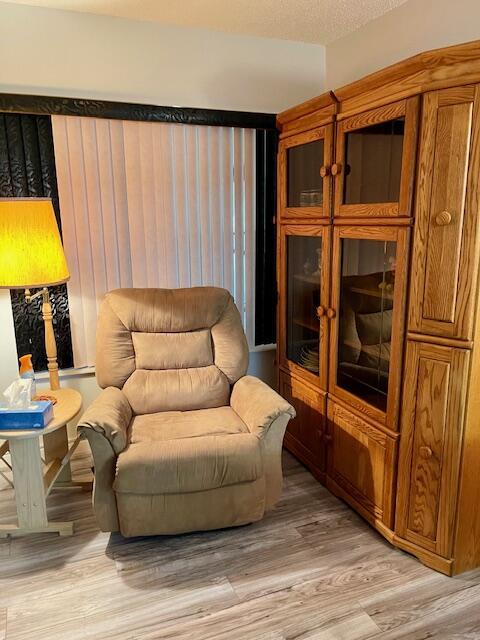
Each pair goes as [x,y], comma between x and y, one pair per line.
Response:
[311,570]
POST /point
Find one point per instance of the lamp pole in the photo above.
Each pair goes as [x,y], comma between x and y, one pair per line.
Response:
[50,343]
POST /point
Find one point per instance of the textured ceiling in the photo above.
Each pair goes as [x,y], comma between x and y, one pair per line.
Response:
[316,21]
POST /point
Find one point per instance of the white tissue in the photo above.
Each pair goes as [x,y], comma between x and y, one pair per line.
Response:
[18,394]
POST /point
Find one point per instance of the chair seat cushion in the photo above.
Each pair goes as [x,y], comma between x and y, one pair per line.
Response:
[172,425]
[186,465]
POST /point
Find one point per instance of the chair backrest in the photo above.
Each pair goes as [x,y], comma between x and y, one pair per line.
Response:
[171,349]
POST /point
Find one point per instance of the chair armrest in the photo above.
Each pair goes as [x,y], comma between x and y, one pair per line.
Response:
[257,404]
[109,414]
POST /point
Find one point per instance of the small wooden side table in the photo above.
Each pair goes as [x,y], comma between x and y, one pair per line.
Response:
[33,478]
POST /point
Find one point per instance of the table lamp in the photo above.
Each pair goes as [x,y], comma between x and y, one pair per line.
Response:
[32,257]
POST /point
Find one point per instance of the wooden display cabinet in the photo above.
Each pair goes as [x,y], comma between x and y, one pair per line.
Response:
[400,442]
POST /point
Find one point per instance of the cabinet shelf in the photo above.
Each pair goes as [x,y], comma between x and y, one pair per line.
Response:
[307,323]
[308,279]
[380,293]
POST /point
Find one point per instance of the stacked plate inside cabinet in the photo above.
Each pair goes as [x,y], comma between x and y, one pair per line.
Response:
[309,358]
[311,197]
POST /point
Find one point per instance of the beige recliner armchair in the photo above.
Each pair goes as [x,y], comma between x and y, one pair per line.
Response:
[182,439]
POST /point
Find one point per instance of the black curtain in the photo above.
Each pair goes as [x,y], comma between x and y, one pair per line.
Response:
[27,169]
[265,274]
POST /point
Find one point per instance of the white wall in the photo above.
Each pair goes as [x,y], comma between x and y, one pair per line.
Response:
[413,27]
[65,53]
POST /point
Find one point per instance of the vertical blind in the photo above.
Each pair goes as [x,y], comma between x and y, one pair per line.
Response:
[147,204]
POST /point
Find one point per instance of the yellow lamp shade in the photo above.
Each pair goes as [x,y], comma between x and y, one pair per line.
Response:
[31,251]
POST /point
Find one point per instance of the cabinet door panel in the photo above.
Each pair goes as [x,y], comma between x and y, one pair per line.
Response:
[446,243]
[304,174]
[304,280]
[304,437]
[374,162]
[434,399]
[368,310]
[360,461]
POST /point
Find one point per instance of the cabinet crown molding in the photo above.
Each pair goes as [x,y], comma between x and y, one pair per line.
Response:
[430,70]
[321,109]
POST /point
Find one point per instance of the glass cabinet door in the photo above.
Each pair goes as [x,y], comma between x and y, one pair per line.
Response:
[305,281]
[375,161]
[305,174]
[369,292]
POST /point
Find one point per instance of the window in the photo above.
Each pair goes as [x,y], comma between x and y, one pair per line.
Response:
[148,204]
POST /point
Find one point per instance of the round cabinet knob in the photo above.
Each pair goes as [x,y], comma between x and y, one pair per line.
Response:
[443,218]
[320,311]
[336,169]
[425,452]
[331,313]
[324,171]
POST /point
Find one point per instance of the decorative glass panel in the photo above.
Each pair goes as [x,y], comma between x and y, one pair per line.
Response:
[304,184]
[365,322]
[373,159]
[304,256]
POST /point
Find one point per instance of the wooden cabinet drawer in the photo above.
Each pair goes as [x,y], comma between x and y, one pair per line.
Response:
[445,259]
[430,446]
[304,436]
[360,461]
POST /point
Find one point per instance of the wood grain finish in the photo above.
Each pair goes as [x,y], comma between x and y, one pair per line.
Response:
[305,433]
[434,397]
[426,472]
[433,505]
[27,478]
[360,460]
[449,181]
[446,342]
[466,552]
[320,117]
[446,246]
[323,231]
[50,344]
[309,114]
[407,109]
[55,445]
[400,235]
[429,71]
[292,214]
